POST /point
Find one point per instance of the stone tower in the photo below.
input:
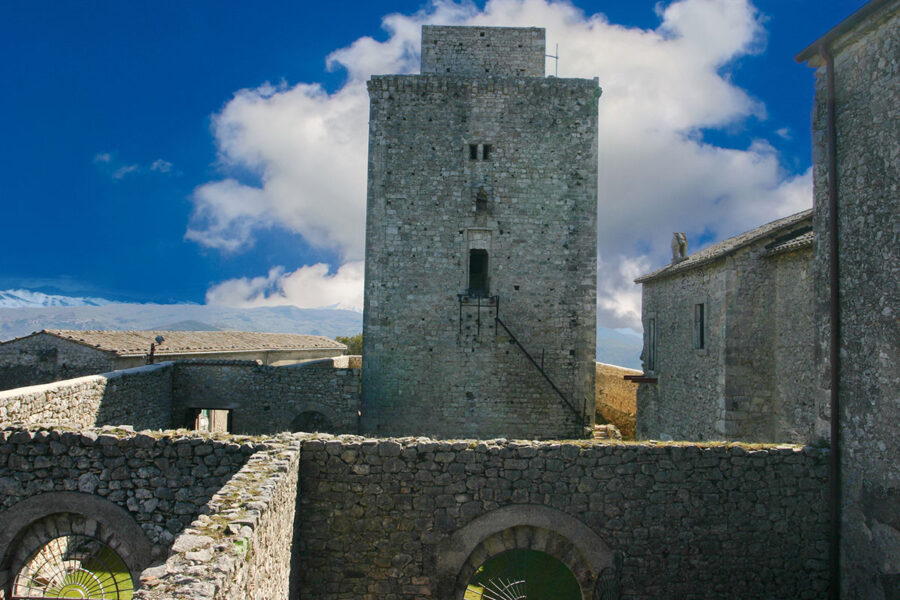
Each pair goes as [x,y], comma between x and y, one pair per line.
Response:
[481,229]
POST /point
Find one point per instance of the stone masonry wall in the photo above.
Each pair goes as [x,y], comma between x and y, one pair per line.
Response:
[794,348]
[686,403]
[693,522]
[480,51]
[140,397]
[243,549]
[44,358]
[266,400]
[769,334]
[754,380]
[867,86]
[530,205]
[164,480]
[616,398]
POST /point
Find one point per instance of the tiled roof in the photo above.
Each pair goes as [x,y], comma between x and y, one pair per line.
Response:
[127,343]
[726,247]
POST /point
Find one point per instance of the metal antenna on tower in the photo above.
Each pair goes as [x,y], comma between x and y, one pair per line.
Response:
[556,58]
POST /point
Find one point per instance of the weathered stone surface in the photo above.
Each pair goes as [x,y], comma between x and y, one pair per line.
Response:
[750,373]
[704,521]
[320,395]
[466,163]
[130,479]
[616,398]
[867,122]
[140,397]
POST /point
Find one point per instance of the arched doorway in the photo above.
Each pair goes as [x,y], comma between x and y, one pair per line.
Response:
[71,545]
[74,566]
[548,531]
[523,574]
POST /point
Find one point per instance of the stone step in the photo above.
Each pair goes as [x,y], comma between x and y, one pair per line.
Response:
[607,431]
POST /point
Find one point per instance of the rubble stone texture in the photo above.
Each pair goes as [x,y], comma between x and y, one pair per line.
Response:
[141,398]
[616,397]
[268,400]
[480,154]
[163,480]
[263,400]
[692,521]
[867,99]
[398,518]
[753,378]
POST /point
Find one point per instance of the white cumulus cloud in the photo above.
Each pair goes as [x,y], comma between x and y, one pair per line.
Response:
[308,287]
[661,88]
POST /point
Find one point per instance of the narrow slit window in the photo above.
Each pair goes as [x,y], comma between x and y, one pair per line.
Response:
[699,326]
[486,152]
[651,345]
[478,273]
[473,151]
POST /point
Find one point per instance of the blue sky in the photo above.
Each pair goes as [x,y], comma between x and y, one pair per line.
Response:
[131,170]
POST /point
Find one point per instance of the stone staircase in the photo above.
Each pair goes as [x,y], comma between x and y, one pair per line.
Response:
[607,432]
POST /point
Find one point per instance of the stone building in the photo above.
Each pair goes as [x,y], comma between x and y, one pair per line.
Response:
[480,293]
[729,339]
[55,354]
[856,152]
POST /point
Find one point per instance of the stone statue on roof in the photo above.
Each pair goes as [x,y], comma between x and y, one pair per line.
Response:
[679,247]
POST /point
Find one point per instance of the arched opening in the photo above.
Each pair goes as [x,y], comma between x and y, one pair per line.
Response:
[520,574]
[310,421]
[525,527]
[74,566]
[51,543]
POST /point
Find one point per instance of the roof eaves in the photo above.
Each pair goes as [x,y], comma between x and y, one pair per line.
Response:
[802,242]
[688,265]
[842,28]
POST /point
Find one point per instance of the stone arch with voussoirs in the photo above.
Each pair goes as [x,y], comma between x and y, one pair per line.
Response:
[35,521]
[530,527]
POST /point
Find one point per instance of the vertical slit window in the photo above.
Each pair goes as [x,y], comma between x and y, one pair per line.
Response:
[473,151]
[486,152]
[699,326]
[650,358]
[478,273]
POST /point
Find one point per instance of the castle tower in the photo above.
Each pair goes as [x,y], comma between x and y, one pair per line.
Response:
[481,229]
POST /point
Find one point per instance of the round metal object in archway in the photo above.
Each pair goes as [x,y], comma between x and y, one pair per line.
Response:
[74,566]
[523,574]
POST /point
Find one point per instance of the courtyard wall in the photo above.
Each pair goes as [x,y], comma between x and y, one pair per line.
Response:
[139,397]
[377,518]
[266,400]
[244,549]
[161,482]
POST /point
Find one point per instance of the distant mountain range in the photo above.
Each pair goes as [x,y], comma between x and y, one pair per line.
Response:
[23,312]
[33,299]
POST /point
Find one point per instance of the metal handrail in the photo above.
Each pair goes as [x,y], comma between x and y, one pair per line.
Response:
[562,396]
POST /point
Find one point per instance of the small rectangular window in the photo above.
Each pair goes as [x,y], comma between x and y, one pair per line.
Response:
[473,151]
[486,152]
[699,327]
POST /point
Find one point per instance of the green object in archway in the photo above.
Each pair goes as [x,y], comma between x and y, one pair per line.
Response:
[523,574]
[74,566]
